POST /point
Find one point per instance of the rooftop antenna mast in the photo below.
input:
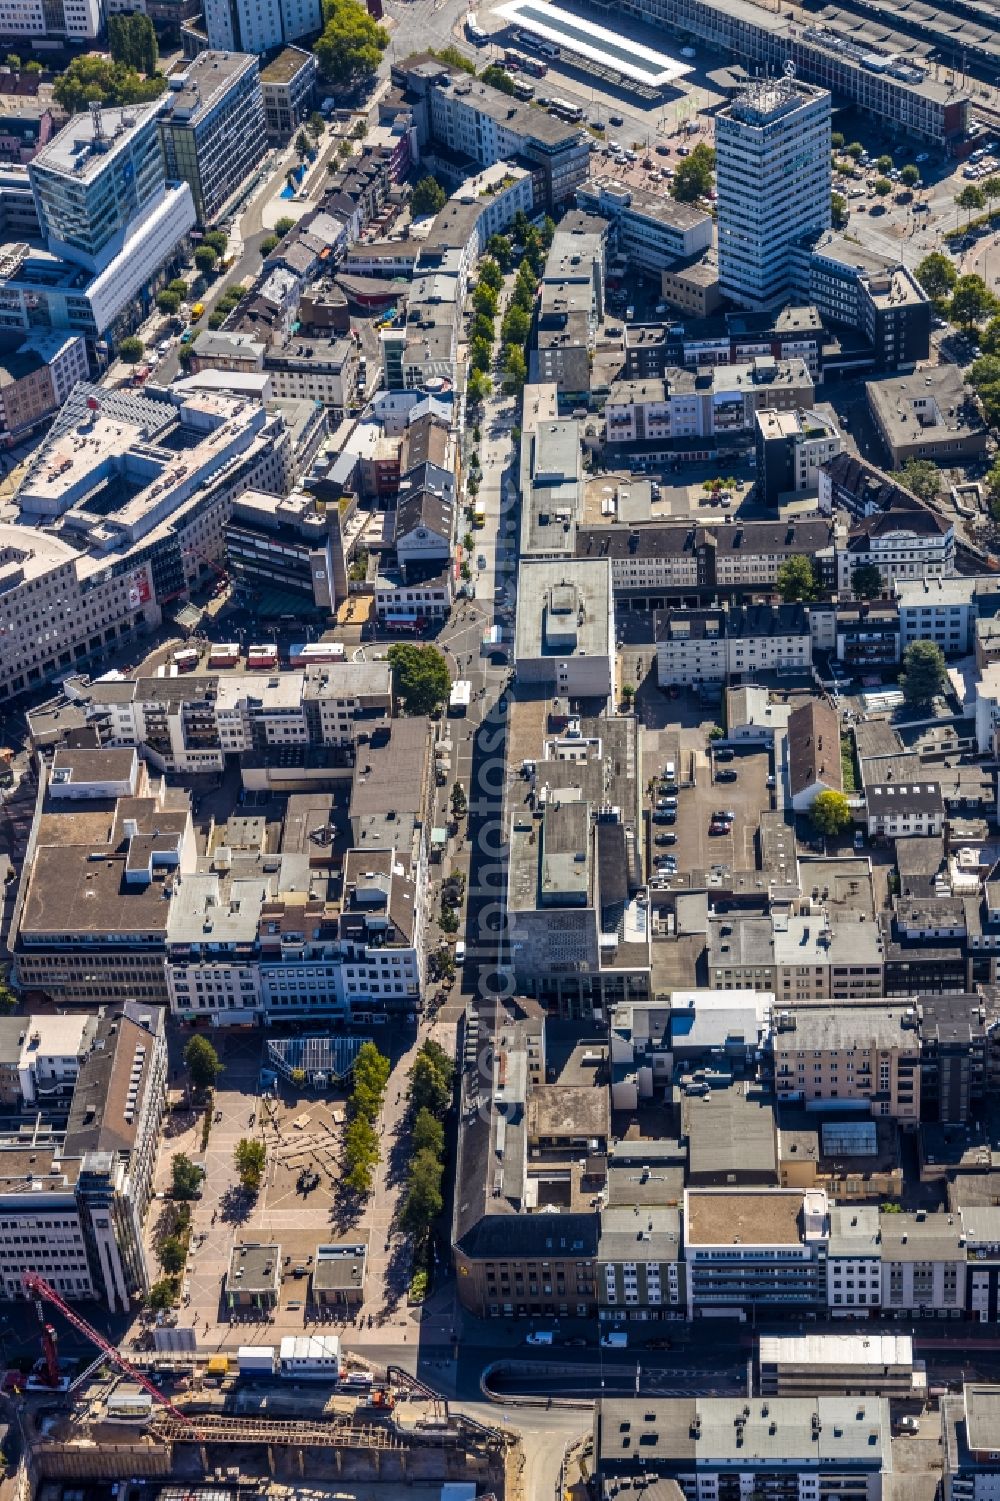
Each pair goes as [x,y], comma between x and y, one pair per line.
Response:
[97,120]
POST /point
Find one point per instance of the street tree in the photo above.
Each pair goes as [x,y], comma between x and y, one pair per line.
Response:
[423,1201]
[501,250]
[369,1077]
[971,198]
[838,210]
[185,1177]
[866,581]
[883,187]
[796,579]
[172,1254]
[830,812]
[206,259]
[420,676]
[921,478]
[427,1134]
[937,275]
[132,41]
[428,197]
[498,78]
[489,274]
[360,1155]
[485,301]
[130,349]
[924,672]
[162,1294]
[515,369]
[351,43]
[202,1062]
[479,387]
[909,175]
[168,302]
[884,164]
[431,1077]
[971,301]
[516,326]
[693,175]
[250,1157]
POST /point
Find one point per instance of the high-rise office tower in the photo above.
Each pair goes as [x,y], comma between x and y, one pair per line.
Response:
[95,179]
[773,178]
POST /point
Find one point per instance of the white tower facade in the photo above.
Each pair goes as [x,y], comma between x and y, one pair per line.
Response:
[773,179]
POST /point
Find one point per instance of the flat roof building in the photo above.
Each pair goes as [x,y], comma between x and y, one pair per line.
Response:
[779,1444]
[928,415]
[849,1365]
[565,632]
[254,1277]
[781,1236]
[212,129]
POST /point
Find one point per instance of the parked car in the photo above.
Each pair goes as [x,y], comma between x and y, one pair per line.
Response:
[665,839]
[726,774]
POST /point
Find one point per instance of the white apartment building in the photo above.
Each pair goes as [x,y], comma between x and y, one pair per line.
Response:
[791,448]
[713,645]
[773,178]
[924,1264]
[754,1248]
[653,230]
[50,1056]
[938,609]
[72,20]
[696,404]
[73,1209]
[904,545]
[41,1225]
[853,1261]
[988,709]
[902,810]
[324,370]
[192,722]
[260,25]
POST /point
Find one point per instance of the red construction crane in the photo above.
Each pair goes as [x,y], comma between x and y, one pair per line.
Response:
[50,1345]
[36,1285]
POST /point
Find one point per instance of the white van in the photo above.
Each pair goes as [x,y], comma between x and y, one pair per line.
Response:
[541,1337]
[615,1339]
[460,952]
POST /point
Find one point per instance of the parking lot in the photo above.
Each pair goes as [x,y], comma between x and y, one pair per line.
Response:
[696,848]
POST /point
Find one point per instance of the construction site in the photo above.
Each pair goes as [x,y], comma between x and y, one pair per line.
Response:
[217,1426]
